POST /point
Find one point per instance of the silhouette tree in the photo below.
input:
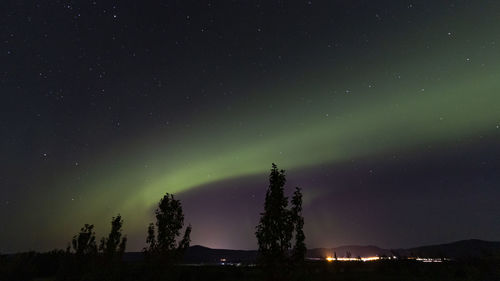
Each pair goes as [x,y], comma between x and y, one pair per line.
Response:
[111,248]
[186,239]
[169,222]
[274,231]
[84,242]
[81,263]
[276,228]
[114,245]
[299,249]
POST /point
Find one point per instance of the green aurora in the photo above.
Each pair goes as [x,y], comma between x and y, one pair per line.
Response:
[404,95]
[393,116]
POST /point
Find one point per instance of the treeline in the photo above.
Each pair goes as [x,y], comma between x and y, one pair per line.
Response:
[84,260]
[88,259]
[279,233]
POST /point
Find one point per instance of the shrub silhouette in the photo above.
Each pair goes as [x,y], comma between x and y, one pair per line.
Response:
[114,245]
[84,242]
[111,252]
[80,259]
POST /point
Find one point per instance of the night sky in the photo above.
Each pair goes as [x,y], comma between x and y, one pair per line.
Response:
[386,113]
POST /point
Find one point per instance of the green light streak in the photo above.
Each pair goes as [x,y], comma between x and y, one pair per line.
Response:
[460,100]
[397,122]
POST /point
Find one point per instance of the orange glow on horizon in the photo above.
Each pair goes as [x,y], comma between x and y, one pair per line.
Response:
[330,259]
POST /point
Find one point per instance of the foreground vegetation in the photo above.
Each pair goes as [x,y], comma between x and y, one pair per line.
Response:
[281,253]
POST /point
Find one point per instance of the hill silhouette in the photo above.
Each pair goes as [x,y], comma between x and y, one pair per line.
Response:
[472,248]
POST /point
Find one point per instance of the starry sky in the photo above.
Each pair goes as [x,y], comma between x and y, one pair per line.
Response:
[386,113]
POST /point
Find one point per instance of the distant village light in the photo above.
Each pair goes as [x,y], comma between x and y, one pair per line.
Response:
[375,258]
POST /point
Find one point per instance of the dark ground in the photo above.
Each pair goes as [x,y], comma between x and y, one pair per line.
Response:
[43,268]
[359,271]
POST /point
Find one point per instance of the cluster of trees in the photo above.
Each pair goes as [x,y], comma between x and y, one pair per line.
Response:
[85,260]
[112,247]
[280,238]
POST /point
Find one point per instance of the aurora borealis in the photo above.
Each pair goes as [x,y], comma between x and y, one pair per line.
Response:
[386,113]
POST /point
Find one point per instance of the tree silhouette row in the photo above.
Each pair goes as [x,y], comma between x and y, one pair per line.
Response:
[280,238]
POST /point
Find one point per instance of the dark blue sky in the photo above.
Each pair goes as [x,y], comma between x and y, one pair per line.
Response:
[386,113]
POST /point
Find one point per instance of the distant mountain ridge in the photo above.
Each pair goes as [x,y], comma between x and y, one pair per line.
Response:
[472,248]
